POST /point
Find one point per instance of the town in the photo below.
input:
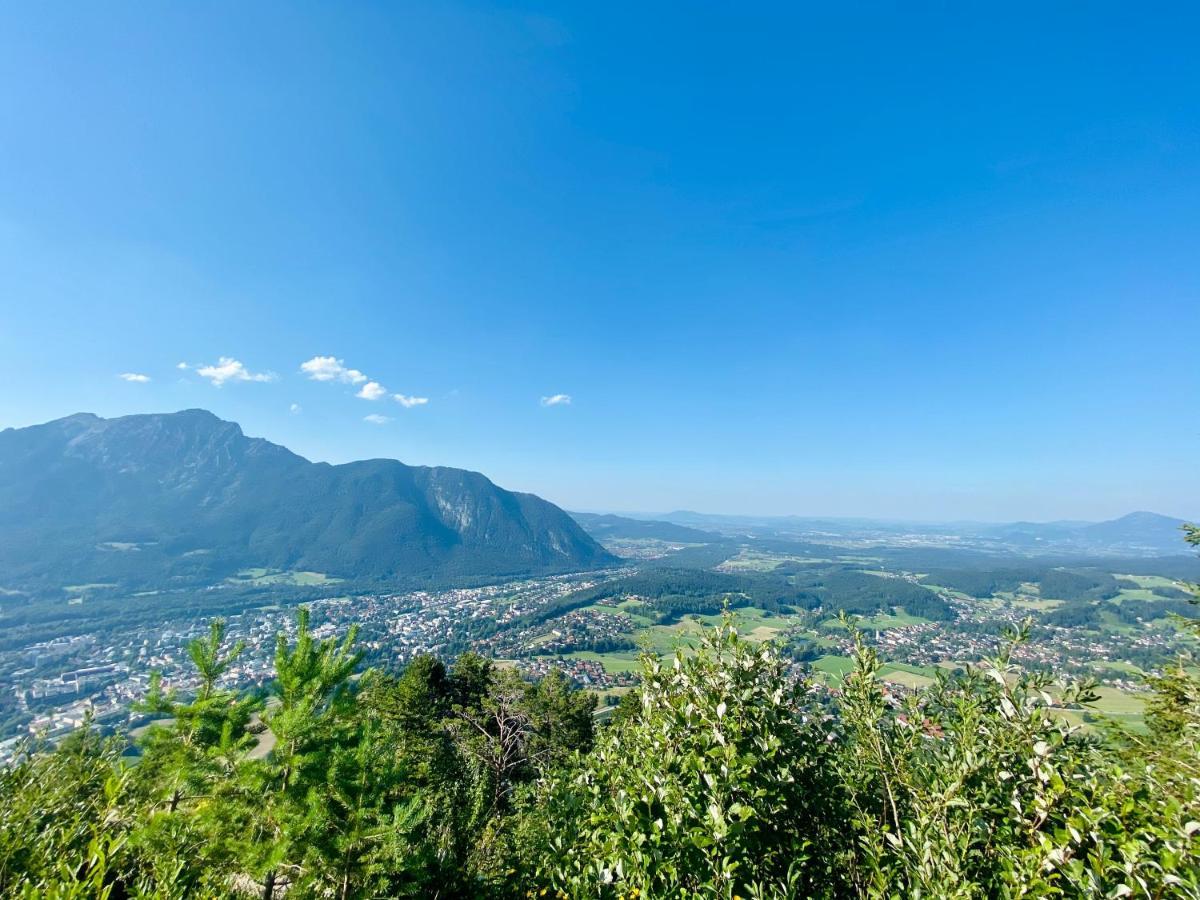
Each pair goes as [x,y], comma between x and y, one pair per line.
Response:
[55,686]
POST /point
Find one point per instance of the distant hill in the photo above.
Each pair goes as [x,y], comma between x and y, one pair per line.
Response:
[185,498]
[1138,530]
[1135,534]
[603,527]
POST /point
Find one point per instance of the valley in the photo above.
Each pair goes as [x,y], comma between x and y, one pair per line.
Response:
[1090,620]
[124,538]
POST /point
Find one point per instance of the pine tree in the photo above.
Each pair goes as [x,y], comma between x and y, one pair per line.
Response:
[282,797]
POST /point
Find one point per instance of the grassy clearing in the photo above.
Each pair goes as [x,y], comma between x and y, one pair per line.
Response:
[1110,623]
[629,607]
[950,592]
[834,668]
[666,639]
[909,676]
[1037,605]
[1126,668]
[258,576]
[757,561]
[1136,594]
[1118,703]
[881,622]
[1149,581]
[614,663]
[906,679]
[684,635]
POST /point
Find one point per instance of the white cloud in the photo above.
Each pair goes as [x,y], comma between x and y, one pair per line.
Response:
[135,377]
[557,400]
[329,368]
[295,409]
[230,369]
[182,365]
[372,390]
[376,419]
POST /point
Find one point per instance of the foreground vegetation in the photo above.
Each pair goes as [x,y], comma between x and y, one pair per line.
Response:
[721,776]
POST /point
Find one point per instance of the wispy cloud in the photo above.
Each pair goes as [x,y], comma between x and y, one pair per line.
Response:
[182,366]
[409,402]
[229,369]
[295,409]
[376,419]
[135,377]
[557,400]
[329,368]
[372,390]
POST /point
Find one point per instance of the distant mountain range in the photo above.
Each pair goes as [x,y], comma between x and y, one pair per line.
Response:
[1137,534]
[612,527]
[184,498]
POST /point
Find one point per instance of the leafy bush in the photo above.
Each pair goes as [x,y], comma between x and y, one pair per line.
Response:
[718,782]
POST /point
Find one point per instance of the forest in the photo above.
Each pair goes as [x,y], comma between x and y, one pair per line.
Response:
[670,593]
[722,775]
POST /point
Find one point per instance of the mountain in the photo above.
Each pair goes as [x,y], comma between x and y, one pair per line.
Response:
[1138,530]
[186,498]
[607,526]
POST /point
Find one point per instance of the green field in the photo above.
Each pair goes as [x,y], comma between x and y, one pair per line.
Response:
[909,676]
[1118,703]
[1150,581]
[1029,600]
[1126,668]
[754,561]
[833,668]
[261,577]
[881,622]
[663,640]
[1136,594]
[614,663]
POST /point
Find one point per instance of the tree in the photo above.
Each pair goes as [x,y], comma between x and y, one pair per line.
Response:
[280,799]
[496,735]
[206,737]
[563,719]
[206,655]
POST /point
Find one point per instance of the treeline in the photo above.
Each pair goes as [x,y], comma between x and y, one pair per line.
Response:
[721,776]
[704,556]
[1053,583]
[1089,614]
[861,593]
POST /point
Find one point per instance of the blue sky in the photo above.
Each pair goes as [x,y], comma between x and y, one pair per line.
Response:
[902,260]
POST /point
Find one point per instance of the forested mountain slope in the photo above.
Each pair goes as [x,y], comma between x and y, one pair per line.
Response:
[157,500]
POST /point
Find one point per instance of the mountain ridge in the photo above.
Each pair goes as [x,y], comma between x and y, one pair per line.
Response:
[186,497]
